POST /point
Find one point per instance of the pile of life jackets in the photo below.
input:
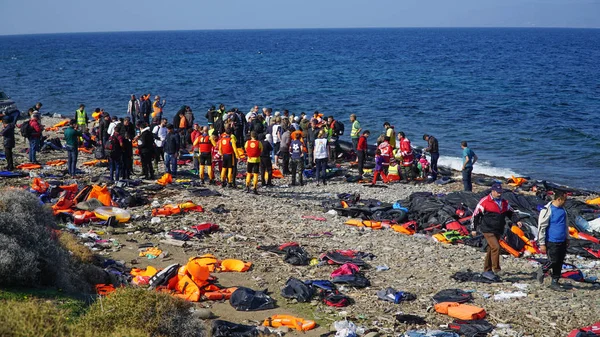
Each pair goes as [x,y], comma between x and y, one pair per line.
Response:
[71,196]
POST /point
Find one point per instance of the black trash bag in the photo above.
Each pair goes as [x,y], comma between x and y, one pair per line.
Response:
[410,319]
[228,329]
[356,280]
[452,295]
[475,328]
[296,256]
[298,290]
[246,299]
[470,276]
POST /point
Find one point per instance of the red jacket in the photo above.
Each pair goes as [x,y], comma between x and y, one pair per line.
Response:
[362,144]
[37,129]
[406,151]
[489,217]
[195,134]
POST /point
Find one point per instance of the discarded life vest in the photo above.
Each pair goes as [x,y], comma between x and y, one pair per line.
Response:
[58,162]
[101,193]
[95,162]
[120,214]
[587,331]
[277,174]
[29,166]
[207,260]
[170,209]
[165,179]
[80,217]
[229,265]
[291,322]
[83,149]
[408,228]
[39,185]
[104,289]
[461,311]
[365,223]
[573,232]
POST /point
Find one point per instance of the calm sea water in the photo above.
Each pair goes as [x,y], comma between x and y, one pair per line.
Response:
[527,100]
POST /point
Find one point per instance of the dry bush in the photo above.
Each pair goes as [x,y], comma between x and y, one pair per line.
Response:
[79,252]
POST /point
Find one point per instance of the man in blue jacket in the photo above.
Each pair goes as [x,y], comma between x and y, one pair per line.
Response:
[553,238]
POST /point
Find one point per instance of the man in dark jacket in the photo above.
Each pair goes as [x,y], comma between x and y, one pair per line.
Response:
[489,218]
[103,128]
[72,144]
[311,135]
[8,134]
[115,153]
[128,128]
[35,136]
[433,149]
[171,148]
[146,146]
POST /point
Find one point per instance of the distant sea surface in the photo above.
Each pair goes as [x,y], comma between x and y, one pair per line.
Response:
[526,100]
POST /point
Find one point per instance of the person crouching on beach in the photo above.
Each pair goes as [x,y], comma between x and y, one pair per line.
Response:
[378,170]
[254,150]
[490,219]
[321,155]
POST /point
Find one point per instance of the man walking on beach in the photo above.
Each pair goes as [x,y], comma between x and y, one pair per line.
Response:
[133,109]
[321,153]
[35,136]
[311,135]
[469,158]
[355,132]
[82,118]
[72,139]
[297,150]
[146,146]
[433,150]
[171,146]
[553,238]
[160,134]
[489,218]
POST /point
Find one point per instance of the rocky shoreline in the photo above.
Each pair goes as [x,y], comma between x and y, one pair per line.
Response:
[417,264]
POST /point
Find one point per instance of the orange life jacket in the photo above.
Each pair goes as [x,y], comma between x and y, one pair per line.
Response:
[205,144]
[226,147]
[253,149]
[461,311]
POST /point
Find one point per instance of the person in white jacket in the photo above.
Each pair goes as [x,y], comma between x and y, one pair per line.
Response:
[553,238]
[133,109]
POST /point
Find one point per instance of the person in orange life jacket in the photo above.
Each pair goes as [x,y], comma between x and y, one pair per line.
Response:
[196,132]
[179,119]
[297,151]
[361,151]
[228,151]
[378,170]
[145,142]
[489,218]
[171,146]
[408,158]
[266,166]
[205,145]
[254,150]
[157,109]
[386,153]
[115,158]
[553,238]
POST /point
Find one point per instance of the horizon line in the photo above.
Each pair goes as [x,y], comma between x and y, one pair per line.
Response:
[300,28]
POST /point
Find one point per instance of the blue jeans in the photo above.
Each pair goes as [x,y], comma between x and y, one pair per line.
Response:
[116,166]
[434,168]
[34,145]
[72,162]
[321,170]
[466,175]
[170,163]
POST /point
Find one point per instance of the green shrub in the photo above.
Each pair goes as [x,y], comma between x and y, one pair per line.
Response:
[157,314]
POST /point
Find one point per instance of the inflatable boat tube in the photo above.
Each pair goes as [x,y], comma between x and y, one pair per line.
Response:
[120,214]
[346,146]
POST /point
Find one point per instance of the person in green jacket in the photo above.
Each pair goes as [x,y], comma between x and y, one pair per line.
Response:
[81,118]
[72,135]
[355,132]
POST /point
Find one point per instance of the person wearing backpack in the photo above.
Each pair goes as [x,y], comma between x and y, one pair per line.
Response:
[8,135]
[114,151]
[34,135]
[72,135]
[146,146]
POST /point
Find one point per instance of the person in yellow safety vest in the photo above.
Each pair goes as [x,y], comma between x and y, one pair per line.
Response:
[389,132]
[253,150]
[205,144]
[229,152]
[355,132]
[82,118]
[157,109]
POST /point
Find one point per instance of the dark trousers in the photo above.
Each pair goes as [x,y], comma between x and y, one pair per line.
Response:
[147,169]
[361,162]
[466,175]
[72,153]
[298,168]
[285,158]
[407,173]
[556,252]
[266,166]
[160,152]
[310,156]
[333,149]
[8,151]
[127,167]
[492,257]
[321,169]
[116,166]
[434,169]
[354,144]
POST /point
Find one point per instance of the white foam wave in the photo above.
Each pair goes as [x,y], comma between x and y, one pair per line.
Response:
[481,167]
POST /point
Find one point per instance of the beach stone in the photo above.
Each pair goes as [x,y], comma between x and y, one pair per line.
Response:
[203,313]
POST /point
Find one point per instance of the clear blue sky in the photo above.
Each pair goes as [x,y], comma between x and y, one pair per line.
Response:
[52,16]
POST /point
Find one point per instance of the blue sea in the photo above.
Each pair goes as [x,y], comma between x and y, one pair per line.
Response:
[526,100]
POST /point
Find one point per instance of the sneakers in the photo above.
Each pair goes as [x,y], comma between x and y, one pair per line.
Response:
[556,286]
[540,275]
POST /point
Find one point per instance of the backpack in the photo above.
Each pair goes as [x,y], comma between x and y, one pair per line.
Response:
[26,130]
[341,127]
[99,153]
[162,277]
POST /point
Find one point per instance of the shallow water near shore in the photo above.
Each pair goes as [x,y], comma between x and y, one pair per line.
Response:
[527,100]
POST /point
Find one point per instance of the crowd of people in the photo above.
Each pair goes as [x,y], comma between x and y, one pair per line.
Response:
[288,143]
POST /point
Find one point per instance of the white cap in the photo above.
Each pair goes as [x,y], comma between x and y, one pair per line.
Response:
[277,113]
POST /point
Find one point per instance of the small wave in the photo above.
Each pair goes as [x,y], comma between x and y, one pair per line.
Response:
[481,167]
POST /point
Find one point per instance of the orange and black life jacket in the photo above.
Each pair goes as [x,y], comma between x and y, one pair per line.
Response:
[205,144]
[226,147]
